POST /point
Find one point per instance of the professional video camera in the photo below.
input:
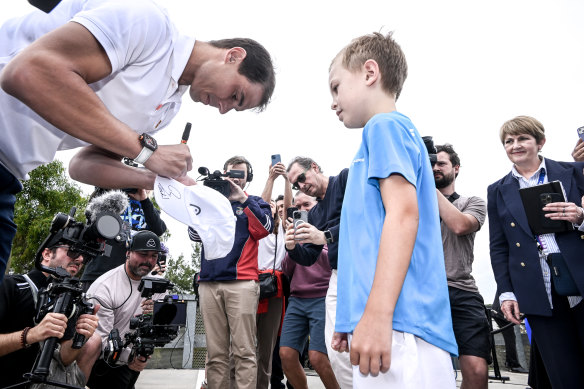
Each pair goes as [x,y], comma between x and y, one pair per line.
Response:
[214,180]
[149,330]
[64,293]
[432,152]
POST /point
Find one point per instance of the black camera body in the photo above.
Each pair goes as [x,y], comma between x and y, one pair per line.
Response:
[155,329]
[215,180]
[432,152]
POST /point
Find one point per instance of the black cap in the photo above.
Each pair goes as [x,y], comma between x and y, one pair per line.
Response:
[145,241]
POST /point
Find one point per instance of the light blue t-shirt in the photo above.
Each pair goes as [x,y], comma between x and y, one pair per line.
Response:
[392,145]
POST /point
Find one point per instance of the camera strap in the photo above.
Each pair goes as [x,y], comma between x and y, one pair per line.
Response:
[33,288]
[275,254]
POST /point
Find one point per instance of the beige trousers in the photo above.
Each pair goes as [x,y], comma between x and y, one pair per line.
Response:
[229,314]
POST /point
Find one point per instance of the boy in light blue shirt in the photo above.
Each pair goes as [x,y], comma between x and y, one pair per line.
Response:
[393,309]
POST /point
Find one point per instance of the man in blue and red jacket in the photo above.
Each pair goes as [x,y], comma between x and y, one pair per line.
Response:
[229,289]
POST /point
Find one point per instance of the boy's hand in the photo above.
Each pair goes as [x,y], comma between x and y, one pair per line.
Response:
[371,345]
[340,342]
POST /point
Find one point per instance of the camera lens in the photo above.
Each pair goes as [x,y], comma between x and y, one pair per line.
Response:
[108,226]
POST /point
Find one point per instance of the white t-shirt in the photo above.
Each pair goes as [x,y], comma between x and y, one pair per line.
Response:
[147,55]
[266,250]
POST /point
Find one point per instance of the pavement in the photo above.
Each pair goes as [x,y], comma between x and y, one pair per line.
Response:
[192,379]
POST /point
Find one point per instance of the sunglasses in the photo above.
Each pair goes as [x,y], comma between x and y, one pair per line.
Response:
[300,180]
[71,253]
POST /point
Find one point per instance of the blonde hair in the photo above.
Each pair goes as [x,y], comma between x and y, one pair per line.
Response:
[522,125]
[382,49]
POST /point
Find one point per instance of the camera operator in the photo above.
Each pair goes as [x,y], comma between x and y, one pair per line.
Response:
[139,215]
[229,289]
[96,74]
[117,293]
[20,337]
[461,217]
[322,228]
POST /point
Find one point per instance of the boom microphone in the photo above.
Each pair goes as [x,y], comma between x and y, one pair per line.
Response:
[114,201]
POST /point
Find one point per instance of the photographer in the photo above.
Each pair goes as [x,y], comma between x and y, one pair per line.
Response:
[140,214]
[20,337]
[229,289]
[117,293]
[111,70]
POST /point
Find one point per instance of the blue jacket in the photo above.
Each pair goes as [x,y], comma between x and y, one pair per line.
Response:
[514,253]
[254,222]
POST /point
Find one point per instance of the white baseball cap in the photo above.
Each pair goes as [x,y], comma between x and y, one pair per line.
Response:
[204,209]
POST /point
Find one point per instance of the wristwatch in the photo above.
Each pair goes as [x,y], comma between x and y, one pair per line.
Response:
[328,236]
[149,146]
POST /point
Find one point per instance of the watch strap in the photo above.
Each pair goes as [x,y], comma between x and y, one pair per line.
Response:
[143,156]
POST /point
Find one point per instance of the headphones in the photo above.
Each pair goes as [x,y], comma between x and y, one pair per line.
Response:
[249,168]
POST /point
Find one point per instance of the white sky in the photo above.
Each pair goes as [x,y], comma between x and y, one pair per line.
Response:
[472,66]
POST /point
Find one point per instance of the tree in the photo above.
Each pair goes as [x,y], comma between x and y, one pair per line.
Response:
[181,273]
[47,192]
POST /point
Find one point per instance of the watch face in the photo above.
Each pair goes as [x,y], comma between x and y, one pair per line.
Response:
[148,142]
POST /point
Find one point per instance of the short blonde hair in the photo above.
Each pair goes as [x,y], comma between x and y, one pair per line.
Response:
[382,49]
[522,125]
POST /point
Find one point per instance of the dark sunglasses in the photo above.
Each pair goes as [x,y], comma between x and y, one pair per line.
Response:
[71,253]
[300,180]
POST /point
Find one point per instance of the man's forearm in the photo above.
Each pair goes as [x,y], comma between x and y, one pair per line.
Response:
[10,343]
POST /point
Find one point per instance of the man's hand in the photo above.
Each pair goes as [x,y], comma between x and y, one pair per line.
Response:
[140,195]
[340,342]
[307,233]
[52,325]
[510,309]
[172,161]
[578,152]
[237,194]
[138,363]
[147,306]
[86,324]
[371,345]
[277,170]
[289,237]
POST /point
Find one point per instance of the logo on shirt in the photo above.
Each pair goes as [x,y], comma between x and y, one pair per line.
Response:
[196,208]
[238,211]
[357,160]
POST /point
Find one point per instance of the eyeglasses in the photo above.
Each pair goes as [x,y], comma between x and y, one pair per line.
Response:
[71,253]
[300,180]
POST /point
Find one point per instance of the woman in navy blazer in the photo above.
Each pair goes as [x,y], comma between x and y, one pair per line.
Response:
[518,256]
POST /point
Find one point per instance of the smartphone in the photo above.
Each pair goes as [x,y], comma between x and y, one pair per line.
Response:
[290,212]
[581,133]
[544,199]
[276,159]
[299,217]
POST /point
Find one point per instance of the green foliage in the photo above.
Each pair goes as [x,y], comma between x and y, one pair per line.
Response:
[47,192]
[180,272]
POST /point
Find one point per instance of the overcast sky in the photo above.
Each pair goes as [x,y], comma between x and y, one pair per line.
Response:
[472,66]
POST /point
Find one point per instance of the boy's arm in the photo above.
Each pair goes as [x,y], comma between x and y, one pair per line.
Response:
[372,337]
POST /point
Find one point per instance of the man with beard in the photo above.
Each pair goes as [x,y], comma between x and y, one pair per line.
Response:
[117,293]
[461,217]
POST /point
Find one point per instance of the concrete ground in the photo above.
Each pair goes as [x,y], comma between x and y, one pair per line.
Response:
[192,379]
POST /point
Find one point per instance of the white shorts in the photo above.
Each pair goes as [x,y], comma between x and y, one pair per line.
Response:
[415,364]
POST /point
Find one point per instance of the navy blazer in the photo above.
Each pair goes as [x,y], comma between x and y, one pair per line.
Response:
[514,254]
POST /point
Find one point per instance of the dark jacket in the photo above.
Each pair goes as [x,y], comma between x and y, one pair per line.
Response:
[514,253]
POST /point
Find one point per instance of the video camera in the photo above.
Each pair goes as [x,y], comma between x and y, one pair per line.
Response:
[432,152]
[214,180]
[148,331]
[64,293]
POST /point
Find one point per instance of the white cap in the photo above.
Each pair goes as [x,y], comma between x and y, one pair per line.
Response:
[202,208]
